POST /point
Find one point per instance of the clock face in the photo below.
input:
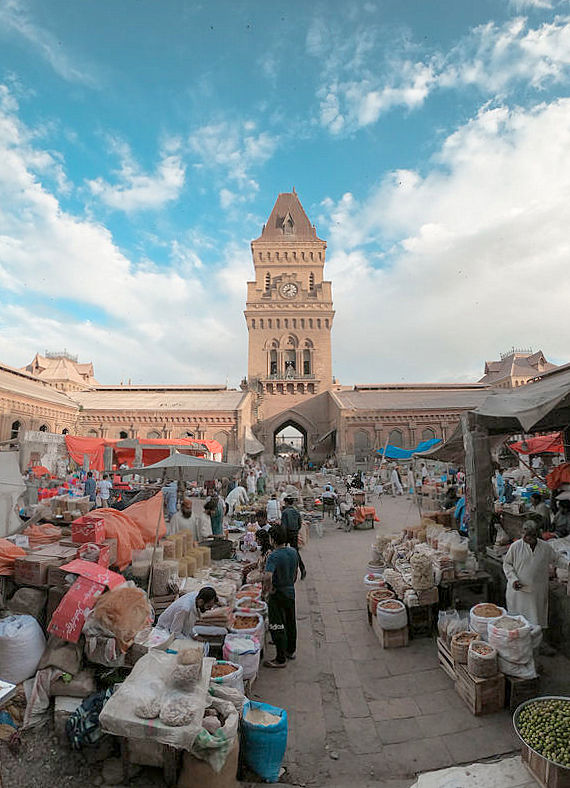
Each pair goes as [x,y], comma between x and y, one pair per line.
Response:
[289,290]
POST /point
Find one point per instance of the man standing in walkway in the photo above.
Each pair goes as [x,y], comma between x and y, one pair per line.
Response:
[279,585]
[396,482]
[291,521]
[90,487]
[526,567]
[105,487]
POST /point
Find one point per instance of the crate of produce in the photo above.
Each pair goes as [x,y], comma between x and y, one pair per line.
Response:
[482,696]
[543,726]
[446,662]
[390,638]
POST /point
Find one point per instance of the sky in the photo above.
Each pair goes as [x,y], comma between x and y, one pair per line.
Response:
[143,145]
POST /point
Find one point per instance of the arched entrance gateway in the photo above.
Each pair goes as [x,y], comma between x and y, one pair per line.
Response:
[290,437]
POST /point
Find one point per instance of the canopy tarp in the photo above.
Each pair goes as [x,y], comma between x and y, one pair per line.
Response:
[185,467]
[154,449]
[541,406]
[134,527]
[396,453]
[542,444]
[79,446]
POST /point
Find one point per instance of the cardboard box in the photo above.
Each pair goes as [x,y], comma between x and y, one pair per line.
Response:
[32,570]
[67,553]
[88,528]
[68,620]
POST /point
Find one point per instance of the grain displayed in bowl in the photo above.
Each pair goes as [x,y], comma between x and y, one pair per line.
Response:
[487,610]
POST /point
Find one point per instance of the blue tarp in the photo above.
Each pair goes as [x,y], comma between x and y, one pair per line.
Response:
[396,453]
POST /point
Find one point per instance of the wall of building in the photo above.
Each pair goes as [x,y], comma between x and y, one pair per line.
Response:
[43,448]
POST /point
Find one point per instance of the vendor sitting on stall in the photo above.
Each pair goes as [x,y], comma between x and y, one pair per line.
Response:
[526,567]
[181,616]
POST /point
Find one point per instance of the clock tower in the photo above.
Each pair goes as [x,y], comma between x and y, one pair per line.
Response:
[289,310]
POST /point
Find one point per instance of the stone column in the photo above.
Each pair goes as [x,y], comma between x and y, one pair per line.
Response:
[478,472]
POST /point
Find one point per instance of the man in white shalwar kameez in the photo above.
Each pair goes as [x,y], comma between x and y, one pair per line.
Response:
[526,566]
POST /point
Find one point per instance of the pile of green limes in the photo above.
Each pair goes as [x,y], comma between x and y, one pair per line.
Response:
[545,726]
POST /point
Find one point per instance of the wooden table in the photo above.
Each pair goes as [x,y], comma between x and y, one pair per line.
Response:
[464,592]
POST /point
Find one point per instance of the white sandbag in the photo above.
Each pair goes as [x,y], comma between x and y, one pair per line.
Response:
[233,679]
[511,637]
[22,644]
[481,624]
[374,579]
[391,614]
[243,650]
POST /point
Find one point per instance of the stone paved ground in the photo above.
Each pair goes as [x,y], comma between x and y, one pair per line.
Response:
[387,714]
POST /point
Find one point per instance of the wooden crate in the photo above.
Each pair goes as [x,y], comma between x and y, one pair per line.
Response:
[390,638]
[482,696]
[546,774]
[446,662]
[519,690]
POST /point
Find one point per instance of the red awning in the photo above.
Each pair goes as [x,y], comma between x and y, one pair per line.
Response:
[542,444]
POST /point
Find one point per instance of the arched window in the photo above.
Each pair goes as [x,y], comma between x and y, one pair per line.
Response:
[123,435]
[92,434]
[310,322]
[253,323]
[65,431]
[153,434]
[277,323]
[396,438]
[311,281]
[302,322]
[272,362]
[188,434]
[361,445]
[306,362]
[222,437]
[428,434]
[14,430]
[44,428]
[269,322]
[267,282]
[318,322]
[261,322]
[286,322]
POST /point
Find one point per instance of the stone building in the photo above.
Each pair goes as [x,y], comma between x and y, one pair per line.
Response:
[289,312]
[290,385]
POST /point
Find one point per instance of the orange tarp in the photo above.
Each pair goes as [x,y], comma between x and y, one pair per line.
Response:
[134,527]
[552,443]
[94,448]
[362,512]
[558,476]
[8,554]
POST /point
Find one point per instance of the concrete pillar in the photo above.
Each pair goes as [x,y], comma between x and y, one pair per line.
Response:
[478,472]
[138,456]
[108,458]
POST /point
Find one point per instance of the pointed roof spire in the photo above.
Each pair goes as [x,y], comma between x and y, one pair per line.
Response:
[288,221]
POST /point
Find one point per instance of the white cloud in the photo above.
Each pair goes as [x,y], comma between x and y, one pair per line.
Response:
[139,191]
[164,323]
[359,82]
[433,274]
[522,5]
[15,18]
[233,149]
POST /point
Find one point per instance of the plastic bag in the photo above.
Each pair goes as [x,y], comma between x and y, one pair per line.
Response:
[149,701]
[264,745]
[214,748]
[177,708]
[444,619]
[231,694]
[457,624]
[22,644]
[512,644]
[243,650]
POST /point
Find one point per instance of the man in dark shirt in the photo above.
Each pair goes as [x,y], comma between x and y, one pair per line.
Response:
[291,521]
[279,583]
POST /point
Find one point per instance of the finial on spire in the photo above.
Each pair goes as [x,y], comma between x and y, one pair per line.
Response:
[294,192]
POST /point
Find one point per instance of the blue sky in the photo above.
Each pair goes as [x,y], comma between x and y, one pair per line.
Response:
[144,143]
